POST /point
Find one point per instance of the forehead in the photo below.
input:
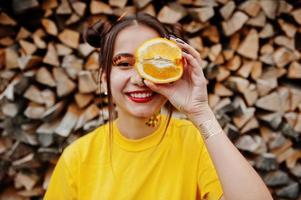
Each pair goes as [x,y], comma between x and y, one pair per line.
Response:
[132,37]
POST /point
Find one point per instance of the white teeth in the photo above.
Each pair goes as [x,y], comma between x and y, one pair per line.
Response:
[141,95]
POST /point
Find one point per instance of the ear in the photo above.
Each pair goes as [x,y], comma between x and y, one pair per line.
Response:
[104,86]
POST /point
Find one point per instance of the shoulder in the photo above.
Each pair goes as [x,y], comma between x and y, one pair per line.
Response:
[80,148]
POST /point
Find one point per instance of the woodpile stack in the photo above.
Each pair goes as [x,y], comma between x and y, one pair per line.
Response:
[49,92]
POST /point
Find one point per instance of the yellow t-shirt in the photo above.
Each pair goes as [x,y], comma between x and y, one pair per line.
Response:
[178,167]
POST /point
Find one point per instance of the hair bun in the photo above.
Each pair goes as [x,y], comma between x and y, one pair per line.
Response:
[95,33]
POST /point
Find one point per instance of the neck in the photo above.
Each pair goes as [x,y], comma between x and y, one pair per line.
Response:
[134,127]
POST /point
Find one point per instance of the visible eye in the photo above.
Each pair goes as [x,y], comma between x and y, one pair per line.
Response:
[123,64]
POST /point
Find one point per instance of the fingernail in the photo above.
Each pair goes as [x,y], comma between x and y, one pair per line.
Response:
[172,36]
[180,41]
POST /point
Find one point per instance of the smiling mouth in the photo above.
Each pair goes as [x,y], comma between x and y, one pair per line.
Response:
[141,97]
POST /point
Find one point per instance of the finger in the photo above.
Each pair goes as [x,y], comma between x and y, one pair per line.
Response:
[163,89]
[188,48]
[196,68]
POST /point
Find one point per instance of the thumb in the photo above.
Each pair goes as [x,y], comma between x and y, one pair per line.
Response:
[159,88]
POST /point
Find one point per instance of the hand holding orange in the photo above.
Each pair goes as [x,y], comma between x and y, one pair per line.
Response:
[159,60]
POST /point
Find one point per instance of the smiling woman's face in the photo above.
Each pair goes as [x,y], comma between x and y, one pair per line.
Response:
[130,95]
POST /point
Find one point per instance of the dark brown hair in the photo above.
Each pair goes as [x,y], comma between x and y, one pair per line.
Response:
[102,35]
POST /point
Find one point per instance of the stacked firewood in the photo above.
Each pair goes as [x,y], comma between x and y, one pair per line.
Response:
[50,96]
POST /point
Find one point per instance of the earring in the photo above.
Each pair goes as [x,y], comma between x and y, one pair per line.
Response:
[153,120]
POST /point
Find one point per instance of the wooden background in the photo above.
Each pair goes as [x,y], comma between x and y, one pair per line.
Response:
[49,94]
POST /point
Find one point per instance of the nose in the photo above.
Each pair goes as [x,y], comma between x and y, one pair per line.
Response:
[136,79]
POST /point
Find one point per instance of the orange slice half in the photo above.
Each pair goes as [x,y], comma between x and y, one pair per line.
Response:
[159,60]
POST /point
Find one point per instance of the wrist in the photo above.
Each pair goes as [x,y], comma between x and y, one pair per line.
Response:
[204,113]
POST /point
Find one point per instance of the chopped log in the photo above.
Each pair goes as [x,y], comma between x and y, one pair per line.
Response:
[267,31]
[234,63]
[64,8]
[283,56]
[51,56]
[23,34]
[297,127]
[202,14]
[48,97]
[54,111]
[34,94]
[269,102]
[64,85]
[236,83]
[291,118]
[86,82]
[48,127]
[212,34]
[6,20]
[50,27]
[72,65]
[291,160]
[234,23]
[92,62]
[11,58]
[63,50]
[45,77]
[141,3]
[246,68]
[118,3]
[222,91]
[223,73]
[265,85]
[193,27]
[215,51]
[285,41]
[26,62]
[6,41]
[269,7]
[250,125]
[26,180]
[258,21]
[90,113]
[79,8]
[276,178]
[39,42]
[213,99]
[241,120]
[266,162]
[284,7]
[24,6]
[246,143]
[290,191]
[34,111]
[85,49]
[289,29]
[196,42]
[250,45]
[97,7]
[69,121]
[149,9]
[69,37]
[227,10]
[272,119]
[171,14]
[251,95]
[9,109]
[228,54]
[252,8]
[296,14]
[294,70]
[82,100]
[295,98]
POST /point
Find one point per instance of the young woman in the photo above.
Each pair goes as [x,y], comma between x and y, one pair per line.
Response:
[144,154]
